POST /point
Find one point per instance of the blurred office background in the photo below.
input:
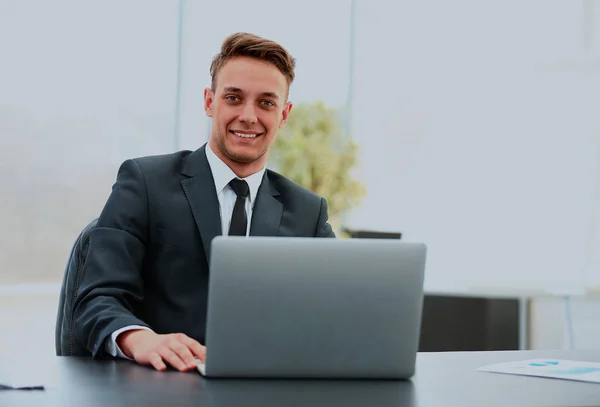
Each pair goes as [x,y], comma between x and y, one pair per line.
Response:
[478,126]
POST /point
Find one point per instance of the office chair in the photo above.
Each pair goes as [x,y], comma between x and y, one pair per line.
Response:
[65,341]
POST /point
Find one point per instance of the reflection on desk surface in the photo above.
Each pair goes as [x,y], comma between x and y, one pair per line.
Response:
[442,379]
[313,393]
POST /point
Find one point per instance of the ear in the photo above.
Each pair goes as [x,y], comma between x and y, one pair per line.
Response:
[209,97]
[285,114]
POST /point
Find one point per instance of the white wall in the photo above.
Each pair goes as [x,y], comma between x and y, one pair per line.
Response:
[479,127]
[550,324]
[28,323]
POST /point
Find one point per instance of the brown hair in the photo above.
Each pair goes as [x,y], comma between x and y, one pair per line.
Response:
[250,45]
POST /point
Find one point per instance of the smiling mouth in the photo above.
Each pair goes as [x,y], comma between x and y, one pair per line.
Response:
[245,135]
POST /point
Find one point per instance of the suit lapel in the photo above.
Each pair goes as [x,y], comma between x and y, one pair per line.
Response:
[201,194]
[267,212]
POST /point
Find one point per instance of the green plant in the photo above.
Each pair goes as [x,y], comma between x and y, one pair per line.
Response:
[313,151]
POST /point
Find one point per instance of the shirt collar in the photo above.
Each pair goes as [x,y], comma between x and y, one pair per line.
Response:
[222,174]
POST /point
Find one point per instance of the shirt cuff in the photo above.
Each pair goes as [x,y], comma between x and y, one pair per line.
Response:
[111,343]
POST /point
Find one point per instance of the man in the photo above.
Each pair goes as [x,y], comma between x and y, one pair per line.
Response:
[144,287]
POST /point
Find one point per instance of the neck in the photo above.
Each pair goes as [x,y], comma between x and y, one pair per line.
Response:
[241,170]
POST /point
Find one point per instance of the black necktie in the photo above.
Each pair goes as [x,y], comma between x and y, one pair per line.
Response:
[238,216]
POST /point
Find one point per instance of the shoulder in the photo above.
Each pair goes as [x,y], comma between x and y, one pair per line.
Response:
[154,167]
[172,162]
[291,191]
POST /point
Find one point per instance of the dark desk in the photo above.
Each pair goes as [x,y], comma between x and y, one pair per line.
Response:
[443,379]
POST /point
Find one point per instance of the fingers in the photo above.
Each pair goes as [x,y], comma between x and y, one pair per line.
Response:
[156,361]
[184,354]
[172,358]
[194,346]
[199,351]
[177,350]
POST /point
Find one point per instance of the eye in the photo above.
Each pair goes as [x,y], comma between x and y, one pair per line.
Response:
[232,98]
[268,103]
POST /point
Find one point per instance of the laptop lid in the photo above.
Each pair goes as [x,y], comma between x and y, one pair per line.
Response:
[314,308]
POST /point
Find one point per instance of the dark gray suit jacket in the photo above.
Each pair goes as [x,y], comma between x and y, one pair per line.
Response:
[148,256]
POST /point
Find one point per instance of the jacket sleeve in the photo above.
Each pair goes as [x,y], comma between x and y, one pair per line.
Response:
[323,227]
[111,283]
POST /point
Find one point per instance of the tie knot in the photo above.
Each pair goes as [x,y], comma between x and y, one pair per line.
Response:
[240,187]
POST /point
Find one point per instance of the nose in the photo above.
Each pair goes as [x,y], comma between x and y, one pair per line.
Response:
[248,114]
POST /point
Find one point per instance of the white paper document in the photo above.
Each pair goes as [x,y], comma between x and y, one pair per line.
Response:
[551,368]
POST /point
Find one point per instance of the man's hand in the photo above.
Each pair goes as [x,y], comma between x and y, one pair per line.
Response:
[149,348]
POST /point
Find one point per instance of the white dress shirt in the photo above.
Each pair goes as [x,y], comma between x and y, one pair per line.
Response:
[222,174]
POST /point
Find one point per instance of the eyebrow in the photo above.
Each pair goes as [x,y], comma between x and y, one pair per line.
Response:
[238,90]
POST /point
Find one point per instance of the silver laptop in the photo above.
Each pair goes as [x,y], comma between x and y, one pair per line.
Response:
[313,308]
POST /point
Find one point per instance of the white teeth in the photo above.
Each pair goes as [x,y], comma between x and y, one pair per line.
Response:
[245,135]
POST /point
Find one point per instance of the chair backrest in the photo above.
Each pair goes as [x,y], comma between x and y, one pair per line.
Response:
[66,342]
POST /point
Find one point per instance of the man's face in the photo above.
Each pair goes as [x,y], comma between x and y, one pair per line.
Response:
[248,106]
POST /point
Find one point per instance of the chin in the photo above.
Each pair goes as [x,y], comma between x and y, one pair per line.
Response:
[244,154]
